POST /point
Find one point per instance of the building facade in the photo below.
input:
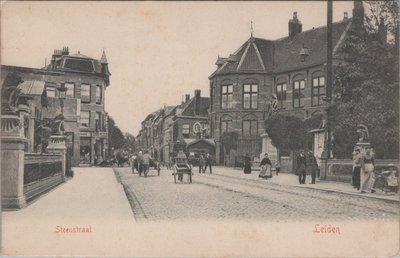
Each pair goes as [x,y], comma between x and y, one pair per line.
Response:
[172,127]
[82,105]
[290,70]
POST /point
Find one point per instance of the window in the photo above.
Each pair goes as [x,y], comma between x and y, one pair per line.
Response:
[211,96]
[85,119]
[250,127]
[51,91]
[281,95]
[298,93]
[318,91]
[70,93]
[85,93]
[225,125]
[250,96]
[185,130]
[99,94]
[97,121]
[226,95]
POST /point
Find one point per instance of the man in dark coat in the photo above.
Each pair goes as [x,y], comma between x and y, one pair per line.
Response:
[208,162]
[311,165]
[301,167]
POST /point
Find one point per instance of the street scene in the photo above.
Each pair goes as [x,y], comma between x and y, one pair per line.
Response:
[228,194]
[256,122]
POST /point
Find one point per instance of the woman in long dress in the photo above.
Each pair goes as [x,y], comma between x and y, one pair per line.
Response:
[368,164]
[265,165]
[247,164]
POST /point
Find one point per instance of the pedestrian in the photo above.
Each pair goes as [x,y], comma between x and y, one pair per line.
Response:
[181,162]
[139,163]
[367,168]
[301,167]
[202,163]
[392,181]
[356,168]
[247,164]
[208,162]
[146,162]
[311,166]
[265,165]
[277,167]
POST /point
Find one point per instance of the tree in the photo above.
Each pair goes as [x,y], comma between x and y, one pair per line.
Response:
[129,142]
[287,132]
[116,137]
[366,86]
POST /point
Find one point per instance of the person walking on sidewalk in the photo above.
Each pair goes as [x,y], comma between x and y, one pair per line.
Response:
[202,163]
[301,167]
[265,165]
[311,165]
[208,162]
[368,164]
[356,168]
[277,167]
[247,164]
[146,162]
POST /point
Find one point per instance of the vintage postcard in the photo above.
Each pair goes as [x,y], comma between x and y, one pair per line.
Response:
[200,129]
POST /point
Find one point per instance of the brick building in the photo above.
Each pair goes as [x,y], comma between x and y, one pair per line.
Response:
[292,68]
[86,80]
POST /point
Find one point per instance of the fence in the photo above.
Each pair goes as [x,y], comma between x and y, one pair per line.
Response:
[42,172]
[342,169]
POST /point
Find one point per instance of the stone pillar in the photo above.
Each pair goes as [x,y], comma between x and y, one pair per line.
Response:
[267,147]
[12,163]
[58,145]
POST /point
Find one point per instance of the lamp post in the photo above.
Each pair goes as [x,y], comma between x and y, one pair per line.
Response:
[62,95]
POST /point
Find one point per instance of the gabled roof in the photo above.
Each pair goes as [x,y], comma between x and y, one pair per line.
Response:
[258,55]
[189,107]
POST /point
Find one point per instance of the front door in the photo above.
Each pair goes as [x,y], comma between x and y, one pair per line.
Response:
[85,150]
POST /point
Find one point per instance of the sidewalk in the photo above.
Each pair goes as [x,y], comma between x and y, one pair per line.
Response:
[93,200]
[292,180]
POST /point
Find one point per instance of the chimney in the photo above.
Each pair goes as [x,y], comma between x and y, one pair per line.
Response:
[358,13]
[187,97]
[197,102]
[295,26]
[65,51]
[345,16]
[382,33]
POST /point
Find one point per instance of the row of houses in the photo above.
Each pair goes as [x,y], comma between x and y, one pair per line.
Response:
[184,126]
[289,71]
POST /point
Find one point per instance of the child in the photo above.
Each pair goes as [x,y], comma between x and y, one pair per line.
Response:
[392,182]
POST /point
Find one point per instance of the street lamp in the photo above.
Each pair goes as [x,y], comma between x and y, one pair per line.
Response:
[62,96]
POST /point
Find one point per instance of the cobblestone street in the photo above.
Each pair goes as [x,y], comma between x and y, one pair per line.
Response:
[229,194]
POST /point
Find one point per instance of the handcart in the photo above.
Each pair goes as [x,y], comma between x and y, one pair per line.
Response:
[181,167]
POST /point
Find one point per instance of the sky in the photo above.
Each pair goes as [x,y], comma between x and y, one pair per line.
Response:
[157,51]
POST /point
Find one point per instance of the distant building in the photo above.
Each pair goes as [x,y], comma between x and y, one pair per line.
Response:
[291,68]
[173,127]
[86,80]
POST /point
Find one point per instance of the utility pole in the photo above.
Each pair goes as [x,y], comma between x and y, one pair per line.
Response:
[329,80]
